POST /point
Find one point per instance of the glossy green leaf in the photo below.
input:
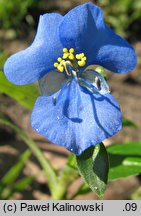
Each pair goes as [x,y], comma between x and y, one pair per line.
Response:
[130,148]
[125,160]
[93,165]
[25,95]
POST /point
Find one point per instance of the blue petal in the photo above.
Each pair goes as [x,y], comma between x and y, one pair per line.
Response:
[78,120]
[84,29]
[34,62]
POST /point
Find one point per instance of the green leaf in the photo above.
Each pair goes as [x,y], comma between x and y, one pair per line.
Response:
[130,148]
[25,95]
[3,57]
[13,173]
[23,183]
[18,186]
[7,182]
[125,160]
[93,165]
[128,123]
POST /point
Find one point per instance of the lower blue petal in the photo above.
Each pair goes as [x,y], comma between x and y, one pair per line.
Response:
[78,120]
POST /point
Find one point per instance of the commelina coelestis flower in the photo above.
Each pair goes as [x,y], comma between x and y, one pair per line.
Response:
[75,109]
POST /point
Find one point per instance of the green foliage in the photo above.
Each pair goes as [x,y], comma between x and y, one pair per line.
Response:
[58,183]
[3,57]
[128,123]
[12,12]
[45,164]
[125,160]
[9,183]
[93,165]
[25,95]
[121,14]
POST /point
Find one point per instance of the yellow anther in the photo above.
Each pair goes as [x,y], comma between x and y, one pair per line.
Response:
[84,58]
[65,55]
[60,68]
[65,50]
[71,50]
[71,57]
[82,55]
[59,59]
[56,64]
[78,56]
[81,63]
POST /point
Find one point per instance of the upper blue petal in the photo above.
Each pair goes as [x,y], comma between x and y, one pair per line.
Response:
[32,63]
[84,29]
[78,120]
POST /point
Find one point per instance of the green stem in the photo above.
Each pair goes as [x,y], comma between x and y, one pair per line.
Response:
[68,175]
[58,185]
[48,169]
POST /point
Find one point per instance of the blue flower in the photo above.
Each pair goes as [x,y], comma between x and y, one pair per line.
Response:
[80,114]
[82,28]
[75,109]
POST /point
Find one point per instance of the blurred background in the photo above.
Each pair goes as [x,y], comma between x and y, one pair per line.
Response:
[18,23]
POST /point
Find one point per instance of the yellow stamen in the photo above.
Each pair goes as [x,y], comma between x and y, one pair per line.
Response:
[81,63]
[59,59]
[60,68]
[71,57]
[84,58]
[78,56]
[71,50]
[65,50]
[65,55]
[56,64]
